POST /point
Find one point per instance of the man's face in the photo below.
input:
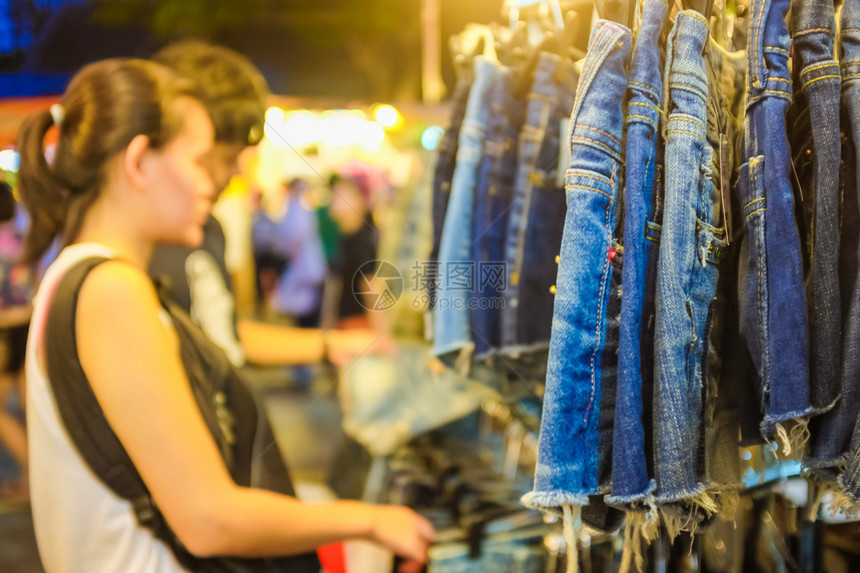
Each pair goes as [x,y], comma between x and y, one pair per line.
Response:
[222,163]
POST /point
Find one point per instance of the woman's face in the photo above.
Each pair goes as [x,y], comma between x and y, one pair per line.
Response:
[348,208]
[182,188]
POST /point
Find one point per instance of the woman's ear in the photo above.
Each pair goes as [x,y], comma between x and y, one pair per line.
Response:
[134,161]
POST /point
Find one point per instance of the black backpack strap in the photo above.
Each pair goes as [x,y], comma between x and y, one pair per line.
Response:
[82,415]
[79,409]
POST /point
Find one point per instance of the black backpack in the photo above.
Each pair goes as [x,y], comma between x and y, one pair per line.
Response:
[225,402]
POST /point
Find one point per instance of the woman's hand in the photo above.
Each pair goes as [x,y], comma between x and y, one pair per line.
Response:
[404,532]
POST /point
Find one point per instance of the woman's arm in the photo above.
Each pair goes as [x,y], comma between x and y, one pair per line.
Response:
[132,361]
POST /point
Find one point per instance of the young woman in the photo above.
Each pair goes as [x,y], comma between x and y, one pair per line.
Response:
[128,173]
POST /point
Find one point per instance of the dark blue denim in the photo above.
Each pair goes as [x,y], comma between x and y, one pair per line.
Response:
[568,460]
[609,366]
[687,267]
[816,149]
[492,209]
[537,214]
[630,481]
[445,163]
[834,434]
[452,339]
[773,306]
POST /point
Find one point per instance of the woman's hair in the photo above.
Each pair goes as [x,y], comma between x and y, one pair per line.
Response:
[105,106]
[231,87]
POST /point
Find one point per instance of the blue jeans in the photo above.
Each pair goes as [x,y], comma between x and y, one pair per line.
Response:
[492,209]
[773,306]
[537,213]
[645,96]
[816,151]
[687,267]
[457,283]
[834,434]
[444,170]
[567,465]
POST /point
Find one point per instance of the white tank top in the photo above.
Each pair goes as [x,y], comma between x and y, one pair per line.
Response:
[80,524]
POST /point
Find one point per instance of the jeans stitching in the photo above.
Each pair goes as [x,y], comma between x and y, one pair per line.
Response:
[595,141]
[827,64]
[812,31]
[578,173]
[696,135]
[574,186]
[692,120]
[648,119]
[648,105]
[813,80]
[599,308]
[598,131]
[753,201]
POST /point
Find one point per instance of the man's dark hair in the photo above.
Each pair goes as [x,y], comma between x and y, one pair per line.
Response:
[7,202]
[233,89]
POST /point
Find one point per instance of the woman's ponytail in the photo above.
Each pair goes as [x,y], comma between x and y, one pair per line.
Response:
[39,189]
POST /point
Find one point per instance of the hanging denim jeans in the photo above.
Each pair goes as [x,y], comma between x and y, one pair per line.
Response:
[687,267]
[444,171]
[834,433]
[567,465]
[452,340]
[630,481]
[773,305]
[492,208]
[537,214]
[816,151]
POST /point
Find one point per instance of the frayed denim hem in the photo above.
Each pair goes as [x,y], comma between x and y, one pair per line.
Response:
[768,424]
[553,501]
[625,501]
[683,495]
[826,463]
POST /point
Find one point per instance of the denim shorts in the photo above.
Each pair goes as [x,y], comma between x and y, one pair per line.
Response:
[690,248]
[446,160]
[815,147]
[537,212]
[493,198]
[457,281]
[567,469]
[773,306]
[630,479]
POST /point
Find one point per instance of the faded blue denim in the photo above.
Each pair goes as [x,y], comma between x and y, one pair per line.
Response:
[837,426]
[456,285]
[567,465]
[492,207]
[773,304]
[537,213]
[687,268]
[816,150]
[630,480]
[445,164]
